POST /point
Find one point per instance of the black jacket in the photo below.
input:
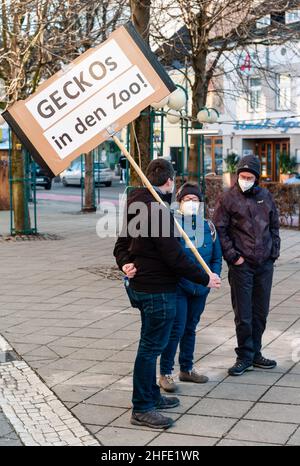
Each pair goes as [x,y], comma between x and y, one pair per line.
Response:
[160,259]
[248,225]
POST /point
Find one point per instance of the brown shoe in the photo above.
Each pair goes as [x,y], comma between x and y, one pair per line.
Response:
[167,383]
[192,376]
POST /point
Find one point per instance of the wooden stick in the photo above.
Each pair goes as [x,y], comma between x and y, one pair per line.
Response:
[157,197]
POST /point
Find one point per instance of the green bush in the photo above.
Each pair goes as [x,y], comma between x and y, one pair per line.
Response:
[287,164]
[231,161]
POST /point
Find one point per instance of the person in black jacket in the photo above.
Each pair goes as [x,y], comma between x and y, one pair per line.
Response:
[247,221]
[149,252]
[123,166]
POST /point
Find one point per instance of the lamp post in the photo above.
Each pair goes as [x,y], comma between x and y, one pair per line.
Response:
[175,113]
[171,108]
[205,115]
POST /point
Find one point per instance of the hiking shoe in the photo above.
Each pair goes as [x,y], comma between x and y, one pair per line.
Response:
[240,367]
[192,376]
[166,382]
[151,419]
[264,363]
[167,402]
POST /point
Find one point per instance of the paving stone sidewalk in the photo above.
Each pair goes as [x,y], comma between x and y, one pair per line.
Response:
[78,332]
[8,436]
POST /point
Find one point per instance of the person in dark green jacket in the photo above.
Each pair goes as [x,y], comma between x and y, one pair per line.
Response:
[191,297]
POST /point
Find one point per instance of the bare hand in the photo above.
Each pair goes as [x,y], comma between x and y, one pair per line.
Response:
[129,270]
[240,261]
[214,281]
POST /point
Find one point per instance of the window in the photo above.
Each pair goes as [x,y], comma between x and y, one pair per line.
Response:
[177,160]
[278,17]
[292,16]
[283,92]
[213,155]
[263,22]
[254,94]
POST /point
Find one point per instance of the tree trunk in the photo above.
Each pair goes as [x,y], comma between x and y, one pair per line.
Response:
[89,198]
[199,96]
[140,129]
[19,198]
[4,182]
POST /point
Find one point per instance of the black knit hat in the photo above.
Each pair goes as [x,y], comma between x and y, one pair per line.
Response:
[189,188]
[249,163]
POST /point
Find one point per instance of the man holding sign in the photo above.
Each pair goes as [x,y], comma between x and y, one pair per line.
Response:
[154,261]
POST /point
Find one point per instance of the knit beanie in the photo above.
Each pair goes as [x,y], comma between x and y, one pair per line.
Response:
[189,188]
[249,163]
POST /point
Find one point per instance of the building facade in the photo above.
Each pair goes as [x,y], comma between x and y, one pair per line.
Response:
[258,98]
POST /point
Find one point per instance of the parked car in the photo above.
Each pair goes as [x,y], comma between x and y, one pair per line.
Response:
[72,175]
[294,179]
[41,176]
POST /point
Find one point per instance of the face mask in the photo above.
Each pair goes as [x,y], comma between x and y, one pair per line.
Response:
[190,207]
[245,185]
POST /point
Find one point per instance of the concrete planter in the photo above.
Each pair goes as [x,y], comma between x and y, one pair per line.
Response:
[284,176]
[229,179]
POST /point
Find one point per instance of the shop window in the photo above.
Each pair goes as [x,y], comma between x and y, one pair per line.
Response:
[213,155]
[177,154]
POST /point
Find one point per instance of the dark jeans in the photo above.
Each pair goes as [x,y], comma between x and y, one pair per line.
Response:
[188,312]
[158,311]
[250,295]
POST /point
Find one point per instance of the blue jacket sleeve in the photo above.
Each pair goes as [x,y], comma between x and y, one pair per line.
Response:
[216,260]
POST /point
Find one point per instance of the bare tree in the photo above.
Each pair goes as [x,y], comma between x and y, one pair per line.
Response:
[23,25]
[90,23]
[206,30]
[140,128]
[36,38]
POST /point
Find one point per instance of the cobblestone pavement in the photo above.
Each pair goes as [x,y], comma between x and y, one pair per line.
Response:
[38,417]
[77,331]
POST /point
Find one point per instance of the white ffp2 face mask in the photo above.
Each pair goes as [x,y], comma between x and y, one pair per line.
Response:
[245,185]
[190,207]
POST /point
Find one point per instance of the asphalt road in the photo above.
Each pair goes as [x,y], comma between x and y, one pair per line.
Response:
[61,195]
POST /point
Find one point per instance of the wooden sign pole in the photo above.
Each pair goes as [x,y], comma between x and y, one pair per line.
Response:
[157,197]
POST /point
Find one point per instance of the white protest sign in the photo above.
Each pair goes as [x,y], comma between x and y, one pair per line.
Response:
[108,86]
[98,112]
[78,84]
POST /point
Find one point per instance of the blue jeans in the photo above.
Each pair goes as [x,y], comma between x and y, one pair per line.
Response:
[189,310]
[158,312]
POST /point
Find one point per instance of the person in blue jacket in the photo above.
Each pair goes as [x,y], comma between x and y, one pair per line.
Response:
[191,297]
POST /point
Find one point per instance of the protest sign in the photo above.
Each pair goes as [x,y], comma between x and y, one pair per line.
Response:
[106,87]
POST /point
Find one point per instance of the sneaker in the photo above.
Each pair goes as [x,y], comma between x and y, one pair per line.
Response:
[151,419]
[167,402]
[166,382]
[192,376]
[240,367]
[264,363]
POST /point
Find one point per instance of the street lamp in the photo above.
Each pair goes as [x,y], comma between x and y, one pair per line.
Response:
[177,99]
[205,115]
[173,103]
[173,116]
[208,115]
[160,104]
